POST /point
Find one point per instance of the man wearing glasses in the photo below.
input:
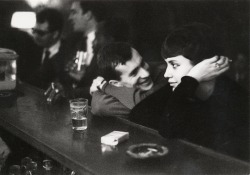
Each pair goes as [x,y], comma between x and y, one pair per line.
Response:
[47,35]
[81,66]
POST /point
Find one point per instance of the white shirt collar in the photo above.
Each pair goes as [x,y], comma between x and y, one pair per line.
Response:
[91,35]
[90,54]
[54,48]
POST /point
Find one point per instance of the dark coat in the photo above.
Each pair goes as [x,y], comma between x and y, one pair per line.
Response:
[79,88]
[220,123]
[53,71]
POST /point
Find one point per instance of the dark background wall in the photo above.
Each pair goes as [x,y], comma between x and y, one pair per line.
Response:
[151,21]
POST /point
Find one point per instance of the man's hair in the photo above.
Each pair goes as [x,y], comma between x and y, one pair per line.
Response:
[96,7]
[116,28]
[53,17]
[112,55]
[195,42]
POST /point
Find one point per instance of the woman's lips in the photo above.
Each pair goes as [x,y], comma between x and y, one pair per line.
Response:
[172,83]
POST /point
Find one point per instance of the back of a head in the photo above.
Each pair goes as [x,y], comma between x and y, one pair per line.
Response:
[53,17]
[112,55]
[195,42]
[97,8]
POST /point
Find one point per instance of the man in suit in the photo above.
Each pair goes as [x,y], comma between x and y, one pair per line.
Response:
[85,16]
[50,59]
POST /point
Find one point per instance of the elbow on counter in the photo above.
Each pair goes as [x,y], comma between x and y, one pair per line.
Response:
[96,107]
[107,106]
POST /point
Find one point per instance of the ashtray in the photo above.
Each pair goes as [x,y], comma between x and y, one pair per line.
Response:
[147,150]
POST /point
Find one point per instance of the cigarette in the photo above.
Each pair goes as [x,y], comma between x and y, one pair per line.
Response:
[50,98]
[53,85]
[47,91]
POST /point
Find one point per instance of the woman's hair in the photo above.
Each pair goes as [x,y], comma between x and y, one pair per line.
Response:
[195,42]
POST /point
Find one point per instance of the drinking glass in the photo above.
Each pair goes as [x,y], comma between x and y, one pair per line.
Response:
[79,112]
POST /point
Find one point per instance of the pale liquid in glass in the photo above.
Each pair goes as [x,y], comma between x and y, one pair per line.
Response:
[79,117]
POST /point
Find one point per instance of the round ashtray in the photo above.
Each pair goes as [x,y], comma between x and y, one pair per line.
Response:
[147,150]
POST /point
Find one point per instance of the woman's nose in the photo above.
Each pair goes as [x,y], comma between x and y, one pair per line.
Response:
[167,73]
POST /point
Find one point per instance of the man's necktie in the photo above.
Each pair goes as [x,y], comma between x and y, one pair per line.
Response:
[46,57]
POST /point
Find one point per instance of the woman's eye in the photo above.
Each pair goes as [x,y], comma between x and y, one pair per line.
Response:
[175,65]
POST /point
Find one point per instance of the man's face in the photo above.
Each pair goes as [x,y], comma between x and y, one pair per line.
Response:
[177,67]
[78,18]
[42,36]
[135,73]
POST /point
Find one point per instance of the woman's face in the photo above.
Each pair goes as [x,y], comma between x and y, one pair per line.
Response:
[177,67]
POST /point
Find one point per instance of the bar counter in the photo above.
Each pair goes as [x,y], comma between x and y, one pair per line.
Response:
[49,129]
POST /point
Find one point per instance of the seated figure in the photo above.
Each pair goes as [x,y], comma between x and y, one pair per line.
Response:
[110,30]
[125,80]
[50,58]
[212,113]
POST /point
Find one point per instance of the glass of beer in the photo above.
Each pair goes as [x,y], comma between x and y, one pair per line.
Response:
[79,112]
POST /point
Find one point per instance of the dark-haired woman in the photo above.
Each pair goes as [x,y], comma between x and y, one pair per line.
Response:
[211,113]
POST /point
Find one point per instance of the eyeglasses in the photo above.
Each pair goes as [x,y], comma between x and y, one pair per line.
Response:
[39,32]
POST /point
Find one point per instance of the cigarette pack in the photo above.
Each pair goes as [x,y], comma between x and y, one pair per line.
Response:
[114,138]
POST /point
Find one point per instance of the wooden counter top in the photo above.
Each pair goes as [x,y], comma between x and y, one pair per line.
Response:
[49,130]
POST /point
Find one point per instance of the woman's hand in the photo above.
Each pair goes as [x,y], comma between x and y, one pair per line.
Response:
[209,69]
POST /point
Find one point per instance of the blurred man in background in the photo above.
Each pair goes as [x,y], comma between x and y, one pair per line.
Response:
[85,16]
[47,35]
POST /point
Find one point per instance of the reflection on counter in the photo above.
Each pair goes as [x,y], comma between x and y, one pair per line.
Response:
[106,149]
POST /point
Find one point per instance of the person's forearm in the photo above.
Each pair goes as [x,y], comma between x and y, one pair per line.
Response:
[177,109]
[186,88]
[106,105]
[127,96]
